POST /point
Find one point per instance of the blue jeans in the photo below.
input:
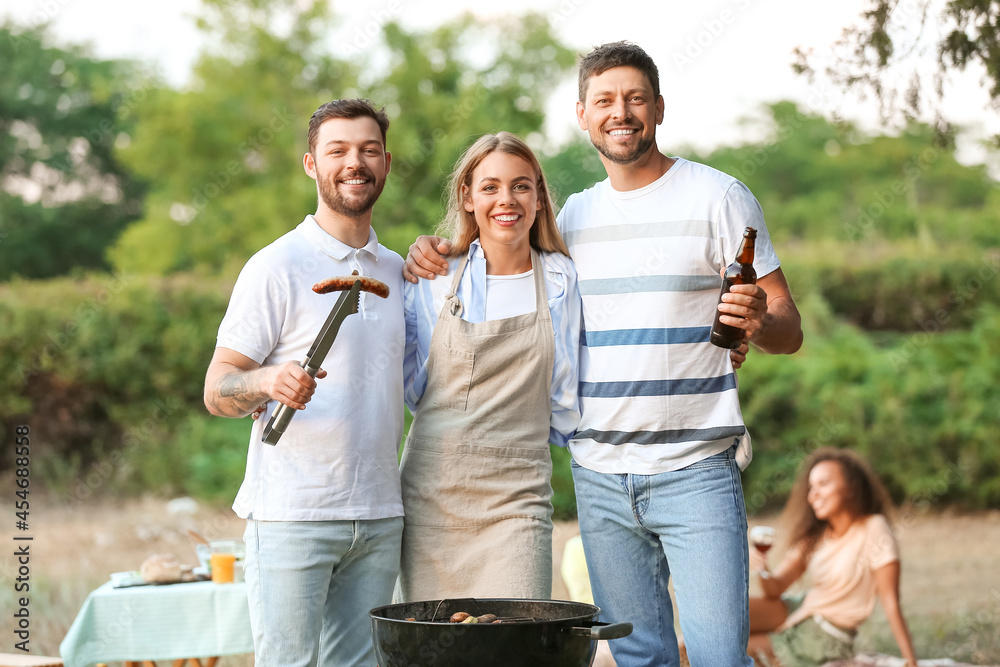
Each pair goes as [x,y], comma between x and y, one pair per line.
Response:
[639,530]
[311,585]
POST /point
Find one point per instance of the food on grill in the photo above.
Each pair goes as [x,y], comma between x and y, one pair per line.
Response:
[463,617]
[341,283]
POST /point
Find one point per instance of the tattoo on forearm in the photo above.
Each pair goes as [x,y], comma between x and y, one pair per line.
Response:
[235,390]
[233,386]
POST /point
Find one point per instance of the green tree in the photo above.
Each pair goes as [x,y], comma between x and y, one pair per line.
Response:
[884,54]
[574,168]
[821,180]
[225,156]
[64,196]
[447,87]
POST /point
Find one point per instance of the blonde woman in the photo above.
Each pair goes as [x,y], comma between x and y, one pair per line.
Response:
[491,377]
[840,539]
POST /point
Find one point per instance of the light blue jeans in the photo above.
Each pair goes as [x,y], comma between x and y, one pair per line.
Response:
[639,530]
[311,585]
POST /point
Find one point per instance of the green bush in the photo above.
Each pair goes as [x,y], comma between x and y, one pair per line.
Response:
[104,370]
[911,287]
[920,407]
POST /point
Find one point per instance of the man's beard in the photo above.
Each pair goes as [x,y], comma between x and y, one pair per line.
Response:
[604,148]
[350,207]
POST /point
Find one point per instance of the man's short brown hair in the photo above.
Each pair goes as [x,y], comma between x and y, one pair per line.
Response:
[353,108]
[617,54]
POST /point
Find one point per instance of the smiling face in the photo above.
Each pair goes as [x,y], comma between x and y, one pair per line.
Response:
[620,113]
[502,195]
[827,489]
[349,166]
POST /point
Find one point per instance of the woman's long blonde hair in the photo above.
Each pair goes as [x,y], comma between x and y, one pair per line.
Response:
[460,225]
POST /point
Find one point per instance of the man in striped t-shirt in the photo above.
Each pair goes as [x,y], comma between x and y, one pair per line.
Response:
[656,457]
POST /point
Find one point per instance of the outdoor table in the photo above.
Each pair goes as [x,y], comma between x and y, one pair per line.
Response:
[166,622]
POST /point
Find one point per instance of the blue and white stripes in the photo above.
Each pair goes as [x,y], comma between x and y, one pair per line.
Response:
[655,394]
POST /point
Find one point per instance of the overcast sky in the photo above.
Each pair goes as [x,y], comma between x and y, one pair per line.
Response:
[719,60]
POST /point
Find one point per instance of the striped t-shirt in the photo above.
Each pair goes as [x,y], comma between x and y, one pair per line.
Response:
[655,394]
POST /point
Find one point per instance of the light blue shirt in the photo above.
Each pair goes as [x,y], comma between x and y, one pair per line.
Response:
[423,303]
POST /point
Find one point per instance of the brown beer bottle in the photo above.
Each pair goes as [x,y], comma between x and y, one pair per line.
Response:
[740,272]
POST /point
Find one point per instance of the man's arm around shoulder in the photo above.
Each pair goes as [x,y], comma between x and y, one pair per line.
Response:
[427,258]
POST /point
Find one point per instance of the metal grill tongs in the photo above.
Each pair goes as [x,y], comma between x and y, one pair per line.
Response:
[347,304]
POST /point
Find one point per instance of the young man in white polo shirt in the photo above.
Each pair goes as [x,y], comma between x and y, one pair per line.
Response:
[323,506]
[657,454]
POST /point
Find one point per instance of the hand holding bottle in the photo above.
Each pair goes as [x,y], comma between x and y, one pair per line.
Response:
[744,307]
[727,333]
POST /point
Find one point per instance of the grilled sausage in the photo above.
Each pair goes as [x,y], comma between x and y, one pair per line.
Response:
[368,284]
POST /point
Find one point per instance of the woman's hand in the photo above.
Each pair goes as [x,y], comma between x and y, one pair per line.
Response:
[758,563]
[773,584]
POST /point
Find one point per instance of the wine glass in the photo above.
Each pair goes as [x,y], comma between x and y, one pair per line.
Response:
[762,538]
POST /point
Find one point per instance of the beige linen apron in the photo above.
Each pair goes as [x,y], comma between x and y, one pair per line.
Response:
[476,467]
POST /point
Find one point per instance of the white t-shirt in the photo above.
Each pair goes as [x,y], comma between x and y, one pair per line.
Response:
[655,394]
[509,296]
[338,458]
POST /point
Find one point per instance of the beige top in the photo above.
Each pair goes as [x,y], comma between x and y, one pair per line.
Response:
[842,572]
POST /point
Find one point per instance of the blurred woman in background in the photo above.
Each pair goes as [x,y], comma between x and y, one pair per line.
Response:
[837,534]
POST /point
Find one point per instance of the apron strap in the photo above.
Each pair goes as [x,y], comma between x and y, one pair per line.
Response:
[455,305]
[541,293]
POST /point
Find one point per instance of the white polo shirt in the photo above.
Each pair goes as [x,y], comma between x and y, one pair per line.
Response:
[337,460]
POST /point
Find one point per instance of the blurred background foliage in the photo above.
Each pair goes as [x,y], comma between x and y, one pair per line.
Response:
[127,207]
